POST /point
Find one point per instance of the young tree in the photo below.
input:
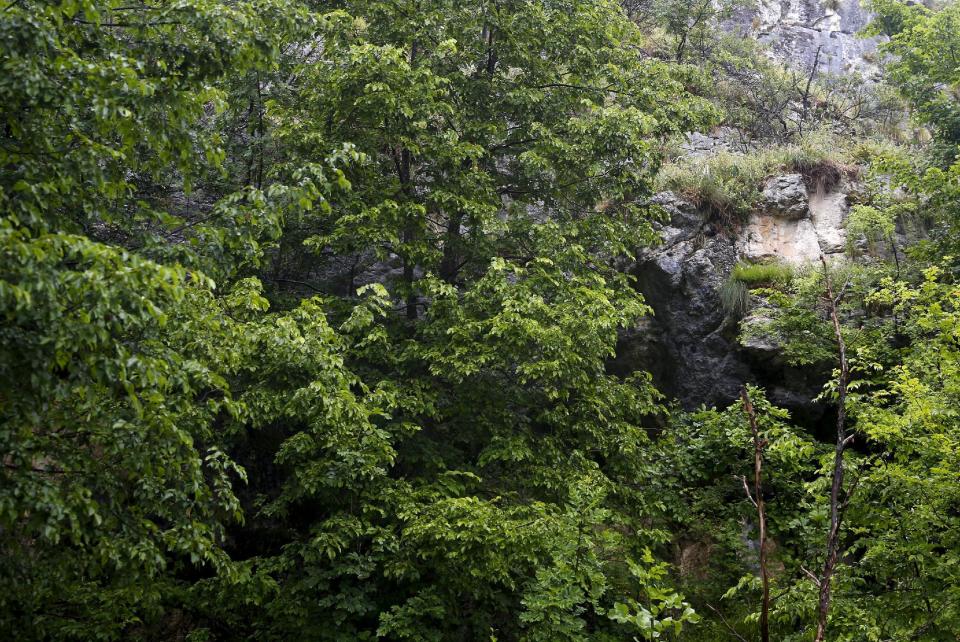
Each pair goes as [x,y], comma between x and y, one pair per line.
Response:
[756,498]
[839,497]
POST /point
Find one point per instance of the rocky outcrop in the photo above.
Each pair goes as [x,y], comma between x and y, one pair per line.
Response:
[721,139]
[693,347]
[794,226]
[785,197]
[803,31]
[689,339]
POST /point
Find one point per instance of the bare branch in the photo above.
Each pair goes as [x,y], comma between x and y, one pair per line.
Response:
[848,495]
[747,490]
[813,578]
[732,630]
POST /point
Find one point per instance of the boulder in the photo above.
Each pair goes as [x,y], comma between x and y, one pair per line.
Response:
[786,197]
[755,338]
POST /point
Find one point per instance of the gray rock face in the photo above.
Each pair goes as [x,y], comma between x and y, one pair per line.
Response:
[692,345]
[754,340]
[689,345]
[721,139]
[786,196]
[802,31]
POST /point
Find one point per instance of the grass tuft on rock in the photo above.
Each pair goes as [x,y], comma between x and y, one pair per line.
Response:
[729,185]
[735,291]
[773,274]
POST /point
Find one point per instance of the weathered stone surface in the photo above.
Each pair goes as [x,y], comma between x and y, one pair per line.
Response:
[754,339]
[785,196]
[803,31]
[691,345]
[768,235]
[767,238]
[682,217]
[718,140]
[828,212]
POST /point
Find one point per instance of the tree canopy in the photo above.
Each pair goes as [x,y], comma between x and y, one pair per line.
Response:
[309,308]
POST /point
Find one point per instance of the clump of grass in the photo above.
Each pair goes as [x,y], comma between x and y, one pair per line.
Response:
[818,158]
[735,298]
[726,184]
[773,274]
[729,185]
[735,291]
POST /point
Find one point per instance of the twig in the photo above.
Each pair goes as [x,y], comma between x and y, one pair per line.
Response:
[295,282]
[726,624]
[806,91]
[36,469]
[746,489]
[816,580]
[849,494]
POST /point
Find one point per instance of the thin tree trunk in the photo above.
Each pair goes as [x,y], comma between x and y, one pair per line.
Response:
[806,90]
[409,236]
[757,499]
[260,133]
[836,487]
[450,262]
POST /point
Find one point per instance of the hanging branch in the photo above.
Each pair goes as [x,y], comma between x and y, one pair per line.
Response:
[837,504]
[757,500]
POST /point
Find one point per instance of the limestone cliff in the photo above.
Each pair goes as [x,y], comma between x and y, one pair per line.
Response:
[802,31]
[692,345]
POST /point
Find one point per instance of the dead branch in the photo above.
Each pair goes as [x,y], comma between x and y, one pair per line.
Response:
[732,630]
[813,578]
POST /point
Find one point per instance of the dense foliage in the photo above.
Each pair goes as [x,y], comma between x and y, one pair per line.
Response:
[308,307]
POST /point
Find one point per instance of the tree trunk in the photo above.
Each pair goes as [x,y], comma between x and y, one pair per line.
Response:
[450,262]
[409,236]
[757,499]
[836,487]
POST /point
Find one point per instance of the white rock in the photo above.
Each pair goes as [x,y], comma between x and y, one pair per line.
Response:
[797,241]
[828,212]
[769,237]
